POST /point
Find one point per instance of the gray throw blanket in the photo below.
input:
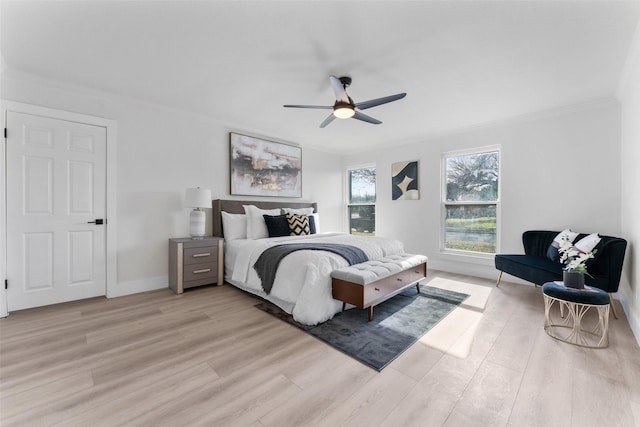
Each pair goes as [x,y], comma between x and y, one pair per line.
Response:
[268,261]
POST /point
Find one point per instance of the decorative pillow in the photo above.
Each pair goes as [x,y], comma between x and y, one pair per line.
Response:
[301,211]
[234,226]
[312,224]
[586,244]
[277,225]
[597,251]
[316,223]
[552,252]
[298,225]
[256,227]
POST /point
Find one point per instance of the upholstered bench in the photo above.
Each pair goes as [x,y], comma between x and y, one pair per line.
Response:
[577,302]
[370,283]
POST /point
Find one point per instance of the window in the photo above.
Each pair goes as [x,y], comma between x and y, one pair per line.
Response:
[362,201]
[470,201]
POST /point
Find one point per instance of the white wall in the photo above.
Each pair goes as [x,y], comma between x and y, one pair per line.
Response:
[160,153]
[629,93]
[558,169]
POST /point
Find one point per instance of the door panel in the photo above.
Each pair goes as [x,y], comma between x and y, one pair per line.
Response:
[38,261]
[56,185]
[80,271]
[80,187]
[37,185]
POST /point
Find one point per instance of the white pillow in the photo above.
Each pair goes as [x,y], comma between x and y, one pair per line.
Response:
[586,244]
[301,211]
[256,227]
[234,226]
[570,236]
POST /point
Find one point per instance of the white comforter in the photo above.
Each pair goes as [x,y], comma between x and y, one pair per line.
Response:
[303,279]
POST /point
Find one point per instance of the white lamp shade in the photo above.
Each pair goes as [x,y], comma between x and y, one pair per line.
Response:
[197,198]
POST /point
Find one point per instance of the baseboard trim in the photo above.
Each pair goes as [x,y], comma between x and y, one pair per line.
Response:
[634,321]
[137,286]
[469,269]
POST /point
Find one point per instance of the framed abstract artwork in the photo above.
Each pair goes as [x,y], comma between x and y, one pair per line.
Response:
[404,181]
[264,168]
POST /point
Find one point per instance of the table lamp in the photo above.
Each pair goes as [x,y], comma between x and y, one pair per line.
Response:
[197,198]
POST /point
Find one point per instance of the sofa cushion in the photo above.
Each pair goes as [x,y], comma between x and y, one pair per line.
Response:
[588,243]
[552,253]
[374,270]
[593,265]
[597,252]
[587,295]
[535,269]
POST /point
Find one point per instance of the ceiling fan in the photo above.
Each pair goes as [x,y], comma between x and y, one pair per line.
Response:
[344,107]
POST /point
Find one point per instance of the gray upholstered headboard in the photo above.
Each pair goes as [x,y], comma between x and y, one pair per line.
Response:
[235,206]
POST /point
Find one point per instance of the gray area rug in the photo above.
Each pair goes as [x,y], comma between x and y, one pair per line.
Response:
[397,324]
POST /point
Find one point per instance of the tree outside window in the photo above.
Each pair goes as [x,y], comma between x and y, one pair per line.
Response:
[470,202]
[362,199]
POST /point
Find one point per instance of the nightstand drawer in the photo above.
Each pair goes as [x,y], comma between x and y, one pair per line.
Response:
[200,255]
[207,270]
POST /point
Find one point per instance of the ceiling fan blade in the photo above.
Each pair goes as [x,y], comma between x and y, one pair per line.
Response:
[322,107]
[358,115]
[338,89]
[379,101]
[327,120]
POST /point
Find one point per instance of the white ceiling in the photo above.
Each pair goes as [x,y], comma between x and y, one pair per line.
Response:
[461,63]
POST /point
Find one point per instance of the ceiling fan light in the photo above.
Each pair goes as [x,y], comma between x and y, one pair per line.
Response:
[343,112]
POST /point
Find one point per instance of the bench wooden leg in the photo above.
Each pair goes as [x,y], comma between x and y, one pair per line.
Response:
[418,287]
[344,305]
[370,313]
[498,281]
[613,306]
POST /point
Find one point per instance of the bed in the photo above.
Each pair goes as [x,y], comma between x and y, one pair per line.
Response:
[302,283]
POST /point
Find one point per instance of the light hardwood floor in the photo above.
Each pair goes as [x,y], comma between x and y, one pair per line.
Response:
[208,357]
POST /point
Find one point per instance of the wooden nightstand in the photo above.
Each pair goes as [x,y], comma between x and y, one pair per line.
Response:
[195,263]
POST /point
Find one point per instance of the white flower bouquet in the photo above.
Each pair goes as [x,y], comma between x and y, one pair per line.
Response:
[574,260]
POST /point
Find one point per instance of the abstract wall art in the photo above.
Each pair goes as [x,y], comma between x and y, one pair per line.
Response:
[404,181]
[264,168]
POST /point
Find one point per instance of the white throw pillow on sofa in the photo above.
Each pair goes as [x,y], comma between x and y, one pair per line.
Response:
[568,234]
[586,244]
[552,252]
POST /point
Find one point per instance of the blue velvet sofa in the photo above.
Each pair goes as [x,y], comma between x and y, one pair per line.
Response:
[605,269]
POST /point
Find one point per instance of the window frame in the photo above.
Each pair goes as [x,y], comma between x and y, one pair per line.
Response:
[348,203]
[444,203]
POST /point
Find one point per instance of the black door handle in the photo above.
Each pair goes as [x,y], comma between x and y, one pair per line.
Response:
[99,221]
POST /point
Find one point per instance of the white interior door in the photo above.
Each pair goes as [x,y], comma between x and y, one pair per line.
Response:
[56,190]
